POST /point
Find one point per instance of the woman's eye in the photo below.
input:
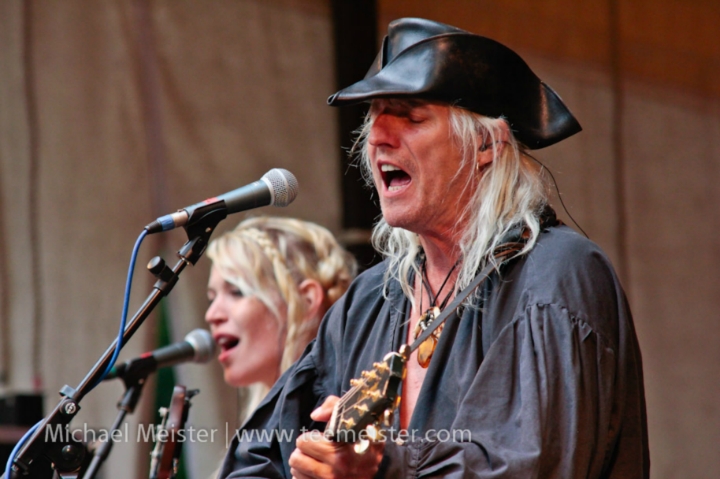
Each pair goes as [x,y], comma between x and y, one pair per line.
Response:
[416,119]
[236,293]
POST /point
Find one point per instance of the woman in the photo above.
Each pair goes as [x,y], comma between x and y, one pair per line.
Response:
[271,282]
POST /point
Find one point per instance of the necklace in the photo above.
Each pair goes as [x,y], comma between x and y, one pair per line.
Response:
[427,348]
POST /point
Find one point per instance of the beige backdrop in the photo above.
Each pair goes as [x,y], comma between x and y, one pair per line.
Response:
[112,113]
[643,179]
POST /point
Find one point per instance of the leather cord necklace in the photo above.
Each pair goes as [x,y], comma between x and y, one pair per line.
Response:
[514,242]
[503,253]
[427,348]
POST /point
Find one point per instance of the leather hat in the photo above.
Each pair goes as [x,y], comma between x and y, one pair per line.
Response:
[436,62]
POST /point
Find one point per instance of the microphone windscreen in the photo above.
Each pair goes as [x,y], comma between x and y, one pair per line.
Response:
[283,184]
[203,344]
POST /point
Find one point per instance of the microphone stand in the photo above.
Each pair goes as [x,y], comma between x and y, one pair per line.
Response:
[134,380]
[38,456]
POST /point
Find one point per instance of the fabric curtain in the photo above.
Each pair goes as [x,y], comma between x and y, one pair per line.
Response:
[114,113]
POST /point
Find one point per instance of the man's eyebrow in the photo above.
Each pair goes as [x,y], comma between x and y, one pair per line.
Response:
[401,105]
[415,102]
[407,102]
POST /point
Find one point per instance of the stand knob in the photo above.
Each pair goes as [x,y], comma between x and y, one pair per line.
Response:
[159,269]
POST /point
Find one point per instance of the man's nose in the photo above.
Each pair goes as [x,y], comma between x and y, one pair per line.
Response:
[383,131]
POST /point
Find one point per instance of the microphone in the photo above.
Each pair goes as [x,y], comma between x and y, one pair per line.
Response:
[198,347]
[277,187]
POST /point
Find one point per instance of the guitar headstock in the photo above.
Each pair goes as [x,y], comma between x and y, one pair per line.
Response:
[166,455]
[371,401]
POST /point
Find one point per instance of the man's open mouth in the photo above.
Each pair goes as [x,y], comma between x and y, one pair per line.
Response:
[393,177]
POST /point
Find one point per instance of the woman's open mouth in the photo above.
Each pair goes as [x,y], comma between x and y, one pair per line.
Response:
[226,343]
[394,178]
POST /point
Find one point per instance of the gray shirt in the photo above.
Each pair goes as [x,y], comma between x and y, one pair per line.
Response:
[542,378]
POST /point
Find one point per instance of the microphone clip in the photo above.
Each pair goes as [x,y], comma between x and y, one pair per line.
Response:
[187,217]
[204,216]
[200,226]
[137,370]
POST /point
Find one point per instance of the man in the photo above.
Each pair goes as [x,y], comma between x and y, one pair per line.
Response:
[540,372]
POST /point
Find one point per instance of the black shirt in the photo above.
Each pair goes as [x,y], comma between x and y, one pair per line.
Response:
[542,378]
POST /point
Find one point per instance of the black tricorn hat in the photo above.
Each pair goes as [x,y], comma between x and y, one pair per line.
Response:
[432,61]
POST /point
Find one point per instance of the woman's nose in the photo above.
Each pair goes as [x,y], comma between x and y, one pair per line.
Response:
[215,313]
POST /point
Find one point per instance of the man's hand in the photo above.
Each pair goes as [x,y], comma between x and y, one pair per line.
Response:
[317,457]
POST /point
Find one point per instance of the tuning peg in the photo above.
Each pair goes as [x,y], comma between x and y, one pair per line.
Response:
[372,432]
[382,367]
[355,383]
[387,418]
[361,446]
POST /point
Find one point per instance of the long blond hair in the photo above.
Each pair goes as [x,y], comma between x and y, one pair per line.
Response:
[508,192]
[268,257]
